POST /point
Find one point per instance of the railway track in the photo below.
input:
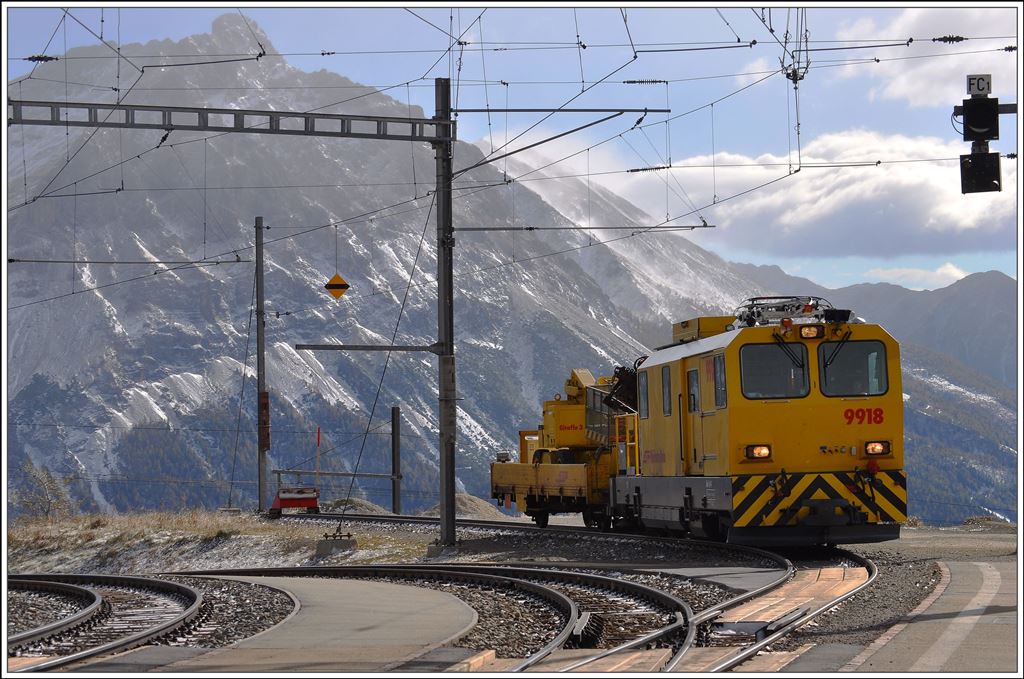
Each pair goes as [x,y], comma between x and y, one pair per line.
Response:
[50,608]
[606,615]
[126,611]
[575,617]
[735,641]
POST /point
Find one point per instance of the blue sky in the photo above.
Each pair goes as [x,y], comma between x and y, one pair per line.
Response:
[834,221]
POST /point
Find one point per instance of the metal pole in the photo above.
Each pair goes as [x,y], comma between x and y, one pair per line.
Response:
[263,402]
[445,315]
[396,460]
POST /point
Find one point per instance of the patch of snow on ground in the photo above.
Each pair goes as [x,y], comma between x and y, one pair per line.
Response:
[482,343]
[188,390]
[142,408]
[946,385]
[295,376]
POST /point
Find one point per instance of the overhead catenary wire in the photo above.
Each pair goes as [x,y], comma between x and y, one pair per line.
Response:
[315,228]
[726,21]
[259,44]
[579,51]
[117,52]
[426,84]
[599,81]
[467,183]
[766,73]
[120,99]
[503,46]
[430,23]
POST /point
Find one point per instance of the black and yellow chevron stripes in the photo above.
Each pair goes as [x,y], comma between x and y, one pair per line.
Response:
[780,499]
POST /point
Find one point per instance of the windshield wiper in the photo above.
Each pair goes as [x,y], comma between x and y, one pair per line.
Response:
[842,343]
[789,352]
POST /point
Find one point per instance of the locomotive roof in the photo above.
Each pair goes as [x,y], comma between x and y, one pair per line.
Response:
[676,352]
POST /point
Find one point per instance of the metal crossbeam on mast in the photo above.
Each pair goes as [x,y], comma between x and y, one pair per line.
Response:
[203,119]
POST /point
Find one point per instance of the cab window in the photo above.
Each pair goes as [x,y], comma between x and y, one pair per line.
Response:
[641,394]
[720,381]
[853,368]
[666,390]
[774,371]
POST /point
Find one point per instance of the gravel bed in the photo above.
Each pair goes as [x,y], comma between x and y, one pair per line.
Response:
[28,610]
[698,593]
[515,624]
[510,545]
[231,611]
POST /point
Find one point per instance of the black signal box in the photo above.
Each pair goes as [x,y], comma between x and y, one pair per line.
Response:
[979,172]
[981,119]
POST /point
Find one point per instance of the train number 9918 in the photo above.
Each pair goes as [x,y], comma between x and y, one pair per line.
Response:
[864,415]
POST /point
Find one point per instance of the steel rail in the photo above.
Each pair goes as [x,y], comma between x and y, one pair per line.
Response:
[751,650]
[696,619]
[190,595]
[679,608]
[566,605]
[712,613]
[93,601]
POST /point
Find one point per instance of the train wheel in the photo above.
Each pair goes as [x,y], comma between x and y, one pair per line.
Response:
[588,519]
[541,519]
[715,527]
[709,527]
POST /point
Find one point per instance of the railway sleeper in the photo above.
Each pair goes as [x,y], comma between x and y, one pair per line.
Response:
[749,631]
[606,629]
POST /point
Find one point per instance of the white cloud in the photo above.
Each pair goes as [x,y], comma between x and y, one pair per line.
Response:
[881,211]
[942,79]
[918,279]
[755,70]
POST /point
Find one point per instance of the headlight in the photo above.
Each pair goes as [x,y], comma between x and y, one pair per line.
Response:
[877,448]
[759,452]
[812,331]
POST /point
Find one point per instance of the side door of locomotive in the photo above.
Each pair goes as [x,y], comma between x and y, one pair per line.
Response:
[694,438]
[709,416]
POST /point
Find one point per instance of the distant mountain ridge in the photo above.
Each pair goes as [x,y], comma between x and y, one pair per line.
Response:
[973,320]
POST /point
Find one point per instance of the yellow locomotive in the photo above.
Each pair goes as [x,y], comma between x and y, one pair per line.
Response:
[782,424]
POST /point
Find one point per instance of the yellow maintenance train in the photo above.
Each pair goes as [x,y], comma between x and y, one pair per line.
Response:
[781,424]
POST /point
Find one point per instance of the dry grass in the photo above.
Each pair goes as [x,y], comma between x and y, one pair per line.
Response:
[142,527]
[130,542]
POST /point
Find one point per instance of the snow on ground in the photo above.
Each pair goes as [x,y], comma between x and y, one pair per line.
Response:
[142,408]
[295,376]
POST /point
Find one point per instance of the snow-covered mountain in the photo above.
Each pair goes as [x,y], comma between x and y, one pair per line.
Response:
[129,378]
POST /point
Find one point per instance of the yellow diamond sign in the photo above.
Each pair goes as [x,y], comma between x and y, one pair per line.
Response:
[337,286]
